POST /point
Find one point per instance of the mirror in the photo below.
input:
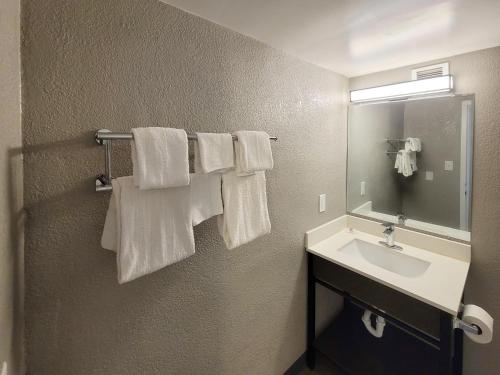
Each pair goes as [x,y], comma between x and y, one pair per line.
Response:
[410,163]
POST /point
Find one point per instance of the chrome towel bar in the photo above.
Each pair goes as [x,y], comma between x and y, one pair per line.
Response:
[105,137]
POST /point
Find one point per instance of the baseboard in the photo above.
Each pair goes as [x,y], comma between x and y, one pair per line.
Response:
[297,366]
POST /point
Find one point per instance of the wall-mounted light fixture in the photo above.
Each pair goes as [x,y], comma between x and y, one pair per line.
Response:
[419,87]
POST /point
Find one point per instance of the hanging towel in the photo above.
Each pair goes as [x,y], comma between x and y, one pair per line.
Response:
[206,202]
[253,152]
[397,163]
[413,161]
[214,153]
[147,229]
[404,163]
[110,233]
[160,158]
[206,197]
[413,144]
[245,208]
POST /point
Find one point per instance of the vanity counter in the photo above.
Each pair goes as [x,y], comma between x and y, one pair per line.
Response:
[440,285]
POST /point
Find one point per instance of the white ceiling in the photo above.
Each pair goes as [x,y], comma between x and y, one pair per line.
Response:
[355,37]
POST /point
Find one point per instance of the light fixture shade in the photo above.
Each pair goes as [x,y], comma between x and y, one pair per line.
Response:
[404,89]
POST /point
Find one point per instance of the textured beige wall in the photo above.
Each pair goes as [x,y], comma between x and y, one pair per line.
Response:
[125,63]
[11,256]
[476,73]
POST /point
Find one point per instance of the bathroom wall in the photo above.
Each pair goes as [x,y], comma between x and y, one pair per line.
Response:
[122,64]
[475,73]
[11,241]
[438,123]
[369,126]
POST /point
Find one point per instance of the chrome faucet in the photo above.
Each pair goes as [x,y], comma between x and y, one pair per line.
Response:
[389,237]
[402,219]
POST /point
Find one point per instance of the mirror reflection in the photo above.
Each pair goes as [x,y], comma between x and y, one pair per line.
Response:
[410,162]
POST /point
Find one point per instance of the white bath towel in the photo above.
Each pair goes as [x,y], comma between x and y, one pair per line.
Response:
[404,163]
[206,197]
[160,158]
[245,208]
[214,153]
[406,160]
[252,152]
[148,229]
[205,202]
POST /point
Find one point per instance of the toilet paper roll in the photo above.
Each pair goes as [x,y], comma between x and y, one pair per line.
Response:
[473,314]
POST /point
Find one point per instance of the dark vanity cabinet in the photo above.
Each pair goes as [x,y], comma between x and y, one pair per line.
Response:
[418,338]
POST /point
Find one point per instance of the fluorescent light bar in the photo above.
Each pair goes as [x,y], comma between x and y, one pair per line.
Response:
[404,89]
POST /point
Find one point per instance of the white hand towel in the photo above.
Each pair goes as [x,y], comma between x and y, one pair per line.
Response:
[206,197]
[148,229]
[253,152]
[413,161]
[245,208]
[214,153]
[160,158]
[413,144]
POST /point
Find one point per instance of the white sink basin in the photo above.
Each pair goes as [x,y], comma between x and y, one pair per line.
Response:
[389,259]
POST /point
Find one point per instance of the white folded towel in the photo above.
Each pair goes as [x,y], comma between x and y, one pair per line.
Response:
[214,153]
[147,229]
[245,208]
[206,197]
[413,144]
[160,158]
[253,152]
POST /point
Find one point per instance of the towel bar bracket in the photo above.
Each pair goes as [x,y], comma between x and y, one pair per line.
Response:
[103,181]
[98,136]
[466,327]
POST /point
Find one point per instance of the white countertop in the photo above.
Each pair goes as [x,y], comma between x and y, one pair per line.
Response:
[441,285]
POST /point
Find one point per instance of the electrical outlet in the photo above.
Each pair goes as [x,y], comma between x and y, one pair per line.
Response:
[448,165]
[429,175]
[322,202]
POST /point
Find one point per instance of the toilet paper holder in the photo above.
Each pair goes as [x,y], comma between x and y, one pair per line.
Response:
[466,327]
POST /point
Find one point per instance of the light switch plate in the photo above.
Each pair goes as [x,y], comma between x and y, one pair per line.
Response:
[429,175]
[4,369]
[448,165]
[322,202]
[363,188]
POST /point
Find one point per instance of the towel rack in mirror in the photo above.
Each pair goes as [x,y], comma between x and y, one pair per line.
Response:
[105,137]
